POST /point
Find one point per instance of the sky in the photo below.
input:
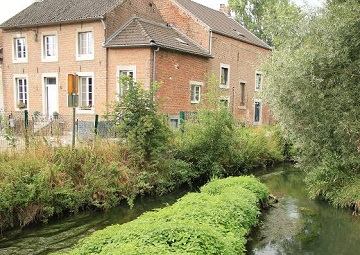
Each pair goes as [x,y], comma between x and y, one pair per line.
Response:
[10,7]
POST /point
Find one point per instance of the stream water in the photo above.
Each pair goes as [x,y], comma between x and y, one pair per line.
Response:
[296,225]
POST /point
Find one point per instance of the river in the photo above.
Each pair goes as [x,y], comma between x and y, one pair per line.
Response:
[296,225]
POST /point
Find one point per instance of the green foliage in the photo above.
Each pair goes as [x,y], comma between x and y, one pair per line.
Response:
[199,223]
[145,131]
[271,20]
[312,86]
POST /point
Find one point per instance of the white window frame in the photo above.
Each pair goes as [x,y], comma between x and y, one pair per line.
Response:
[174,118]
[258,86]
[119,89]
[257,101]
[89,52]
[23,77]
[225,98]
[53,47]
[81,109]
[16,58]
[193,93]
[227,82]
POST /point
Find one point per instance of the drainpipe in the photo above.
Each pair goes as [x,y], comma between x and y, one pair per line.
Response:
[154,64]
[106,67]
[210,42]
[154,69]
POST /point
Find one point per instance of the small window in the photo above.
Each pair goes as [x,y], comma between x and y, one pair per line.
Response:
[85,47]
[20,51]
[257,111]
[258,81]
[86,92]
[129,71]
[242,93]
[49,47]
[224,101]
[21,85]
[195,93]
[224,75]
[174,123]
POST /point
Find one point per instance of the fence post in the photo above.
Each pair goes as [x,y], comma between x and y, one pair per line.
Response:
[96,123]
[26,124]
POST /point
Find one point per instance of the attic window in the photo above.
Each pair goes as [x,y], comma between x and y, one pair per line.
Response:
[181,41]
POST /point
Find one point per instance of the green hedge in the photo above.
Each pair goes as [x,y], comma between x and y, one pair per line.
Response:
[214,221]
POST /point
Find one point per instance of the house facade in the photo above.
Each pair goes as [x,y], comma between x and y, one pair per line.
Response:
[178,43]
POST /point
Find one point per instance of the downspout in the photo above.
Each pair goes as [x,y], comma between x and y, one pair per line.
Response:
[106,68]
[154,64]
[210,42]
[154,69]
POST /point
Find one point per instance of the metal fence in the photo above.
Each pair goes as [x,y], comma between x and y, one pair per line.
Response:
[17,129]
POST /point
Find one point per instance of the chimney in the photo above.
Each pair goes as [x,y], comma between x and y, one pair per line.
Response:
[225,9]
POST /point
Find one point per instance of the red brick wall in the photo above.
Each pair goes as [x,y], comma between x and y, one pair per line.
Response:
[184,22]
[129,9]
[244,60]
[174,71]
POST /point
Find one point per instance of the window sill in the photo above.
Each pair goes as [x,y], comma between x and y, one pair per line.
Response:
[47,60]
[195,102]
[18,61]
[85,111]
[85,57]
[224,86]
[242,107]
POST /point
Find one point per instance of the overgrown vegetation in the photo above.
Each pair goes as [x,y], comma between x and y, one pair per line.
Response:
[313,88]
[214,221]
[150,158]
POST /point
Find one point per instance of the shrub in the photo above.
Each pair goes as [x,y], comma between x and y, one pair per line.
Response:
[199,223]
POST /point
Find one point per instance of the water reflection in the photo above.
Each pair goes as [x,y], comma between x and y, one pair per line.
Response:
[297,225]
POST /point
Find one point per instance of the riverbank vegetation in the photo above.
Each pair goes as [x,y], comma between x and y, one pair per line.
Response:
[46,181]
[313,87]
[214,221]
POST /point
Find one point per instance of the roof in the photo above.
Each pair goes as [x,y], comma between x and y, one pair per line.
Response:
[220,23]
[48,12]
[140,32]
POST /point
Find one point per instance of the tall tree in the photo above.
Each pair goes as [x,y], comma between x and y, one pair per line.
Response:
[313,88]
[271,20]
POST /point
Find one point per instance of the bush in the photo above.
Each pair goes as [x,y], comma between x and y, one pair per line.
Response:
[214,221]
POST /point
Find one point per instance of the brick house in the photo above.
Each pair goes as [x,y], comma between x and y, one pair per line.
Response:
[177,42]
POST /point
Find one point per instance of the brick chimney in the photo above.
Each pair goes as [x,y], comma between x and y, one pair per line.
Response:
[225,9]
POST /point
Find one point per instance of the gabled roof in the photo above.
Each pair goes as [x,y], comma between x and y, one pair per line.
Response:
[220,23]
[48,12]
[140,32]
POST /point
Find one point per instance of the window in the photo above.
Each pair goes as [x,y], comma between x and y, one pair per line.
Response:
[174,121]
[224,101]
[258,81]
[86,92]
[129,71]
[85,46]
[257,111]
[224,75]
[49,46]
[20,53]
[242,93]
[195,92]
[21,97]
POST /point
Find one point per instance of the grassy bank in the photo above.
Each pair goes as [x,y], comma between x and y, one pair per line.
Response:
[214,221]
[45,181]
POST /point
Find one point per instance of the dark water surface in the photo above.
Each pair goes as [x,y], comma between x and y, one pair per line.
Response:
[62,234]
[296,226]
[299,226]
